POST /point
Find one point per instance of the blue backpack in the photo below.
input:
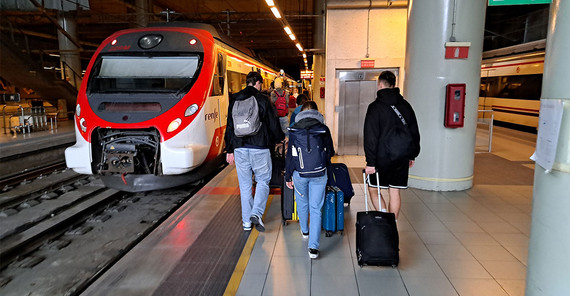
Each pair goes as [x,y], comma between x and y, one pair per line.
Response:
[308,150]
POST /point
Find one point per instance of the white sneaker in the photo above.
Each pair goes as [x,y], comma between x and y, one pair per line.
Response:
[305,235]
[246,226]
[313,253]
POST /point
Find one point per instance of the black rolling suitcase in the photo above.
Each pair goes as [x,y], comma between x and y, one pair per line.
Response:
[377,238]
[288,206]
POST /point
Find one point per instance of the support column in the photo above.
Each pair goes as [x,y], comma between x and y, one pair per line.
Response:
[142,12]
[319,61]
[69,52]
[446,159]
[549,247]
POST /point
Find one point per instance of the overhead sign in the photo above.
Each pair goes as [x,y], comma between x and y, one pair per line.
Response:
[306,74]
[366,63]
[517,2]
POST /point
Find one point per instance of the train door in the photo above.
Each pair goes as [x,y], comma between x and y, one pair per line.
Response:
[357,89]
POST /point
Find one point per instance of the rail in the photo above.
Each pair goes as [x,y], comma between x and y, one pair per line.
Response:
[490,123]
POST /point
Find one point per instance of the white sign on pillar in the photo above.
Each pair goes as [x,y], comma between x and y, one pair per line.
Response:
[548,131]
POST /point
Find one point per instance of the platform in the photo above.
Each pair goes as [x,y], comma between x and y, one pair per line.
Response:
[471,242]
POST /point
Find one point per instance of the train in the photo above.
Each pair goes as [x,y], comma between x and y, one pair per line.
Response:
[151,113]
[511,86]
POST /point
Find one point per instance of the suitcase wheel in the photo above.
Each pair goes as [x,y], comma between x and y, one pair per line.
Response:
[394,265]
[284,222]
[342,232]
[328,233]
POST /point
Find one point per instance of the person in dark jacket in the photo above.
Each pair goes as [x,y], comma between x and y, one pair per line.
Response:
[251,154]
[379,124]
[309,191]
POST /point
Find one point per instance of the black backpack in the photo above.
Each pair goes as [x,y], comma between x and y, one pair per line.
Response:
[399,142]
[308,150]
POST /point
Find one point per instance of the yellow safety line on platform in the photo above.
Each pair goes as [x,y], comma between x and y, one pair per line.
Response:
[441,180]
[235,280]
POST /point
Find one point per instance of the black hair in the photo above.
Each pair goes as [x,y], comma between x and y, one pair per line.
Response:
[301,99]
[253,77]
[309,105]
[388,78]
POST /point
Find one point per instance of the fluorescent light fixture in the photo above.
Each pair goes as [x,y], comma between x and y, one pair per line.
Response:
[270,2]
[275,12]
[288,30]
[292,36]
[299,46]
[304,55]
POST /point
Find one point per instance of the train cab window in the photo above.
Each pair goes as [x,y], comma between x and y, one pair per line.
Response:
[144,74]
[218,83]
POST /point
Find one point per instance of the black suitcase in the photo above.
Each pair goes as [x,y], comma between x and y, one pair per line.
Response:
[377,241]
[288,206]
[278,165]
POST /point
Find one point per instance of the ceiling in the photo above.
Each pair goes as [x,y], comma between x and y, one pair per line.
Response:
[248,22]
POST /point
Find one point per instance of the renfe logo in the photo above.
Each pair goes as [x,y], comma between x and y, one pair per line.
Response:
[211,116]
[120,47]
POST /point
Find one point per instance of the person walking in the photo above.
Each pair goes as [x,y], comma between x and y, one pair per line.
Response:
[391,142]
[279,98]
[252,128]
[301,99]
[309,152]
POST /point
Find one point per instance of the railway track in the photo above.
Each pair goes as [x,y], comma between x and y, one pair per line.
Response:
[56,240]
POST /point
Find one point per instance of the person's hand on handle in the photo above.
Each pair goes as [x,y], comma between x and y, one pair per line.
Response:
[370,170]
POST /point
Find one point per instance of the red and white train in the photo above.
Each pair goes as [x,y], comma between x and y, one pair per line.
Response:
[152,110]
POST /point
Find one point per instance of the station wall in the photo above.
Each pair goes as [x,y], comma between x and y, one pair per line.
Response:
[351,33]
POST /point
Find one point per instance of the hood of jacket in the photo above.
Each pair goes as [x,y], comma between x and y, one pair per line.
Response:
[246,93]
[389,96]
[308,118]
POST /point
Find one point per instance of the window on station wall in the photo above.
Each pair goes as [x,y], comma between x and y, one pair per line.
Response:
[522,87]
[218,83]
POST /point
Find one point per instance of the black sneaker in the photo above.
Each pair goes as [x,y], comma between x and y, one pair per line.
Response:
[313,253]
[305,234]
[256,220]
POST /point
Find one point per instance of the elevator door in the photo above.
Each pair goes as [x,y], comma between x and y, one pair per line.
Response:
[357,89]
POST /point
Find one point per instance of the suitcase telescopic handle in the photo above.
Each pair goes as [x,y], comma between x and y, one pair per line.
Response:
[365,177]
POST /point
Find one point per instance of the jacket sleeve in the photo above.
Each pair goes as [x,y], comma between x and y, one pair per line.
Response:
[371,135]
[414,129]
[228,137]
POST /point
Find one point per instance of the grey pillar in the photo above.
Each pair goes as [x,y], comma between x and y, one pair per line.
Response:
[69,52]
[447,154]
[319,60]
[549,248]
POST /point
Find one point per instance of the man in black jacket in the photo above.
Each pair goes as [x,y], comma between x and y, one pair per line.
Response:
[386,116]
[251,154]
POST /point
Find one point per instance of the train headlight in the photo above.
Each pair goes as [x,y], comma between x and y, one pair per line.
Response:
[82,124]
[174,125]
[150,41]
[77,110]
[191,110]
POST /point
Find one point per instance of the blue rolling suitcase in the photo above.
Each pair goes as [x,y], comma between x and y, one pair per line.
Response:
[338,176]
[333,211]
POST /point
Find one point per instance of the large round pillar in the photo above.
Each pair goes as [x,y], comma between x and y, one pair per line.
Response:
[549,247]
[446,159]
[69,52]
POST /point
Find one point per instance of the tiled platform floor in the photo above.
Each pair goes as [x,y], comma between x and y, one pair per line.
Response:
[472,242]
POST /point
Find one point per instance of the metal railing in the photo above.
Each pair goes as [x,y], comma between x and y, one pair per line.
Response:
[490,119]
[28,119]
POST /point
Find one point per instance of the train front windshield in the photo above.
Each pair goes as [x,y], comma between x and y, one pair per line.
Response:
[144,74]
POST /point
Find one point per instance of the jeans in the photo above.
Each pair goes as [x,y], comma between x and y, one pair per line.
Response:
[310,196]
[258,162]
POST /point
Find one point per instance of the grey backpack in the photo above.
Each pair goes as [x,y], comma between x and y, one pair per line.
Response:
[245,114]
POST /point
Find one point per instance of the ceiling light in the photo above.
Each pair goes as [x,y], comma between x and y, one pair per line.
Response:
[292,37]
[304,55]
[270,2]
[299,46]
[275,12]
[288,30]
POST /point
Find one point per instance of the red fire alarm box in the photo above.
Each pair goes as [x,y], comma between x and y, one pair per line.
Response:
[454,105]
[322,92]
